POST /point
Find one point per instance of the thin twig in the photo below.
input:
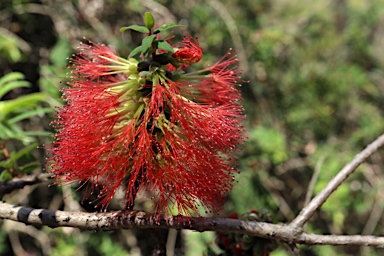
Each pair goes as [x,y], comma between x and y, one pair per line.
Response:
[233,31]
[6,188]
[39,235]
[171,242]
[135,219]
[90,16]
[4,149]
[313,180]
[294,250]
[375,215]
[377,208]
[307,212]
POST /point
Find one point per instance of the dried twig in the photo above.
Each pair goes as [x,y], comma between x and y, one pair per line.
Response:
[234,32]
[313,180]
[6,188]
[171,242]
[318,201]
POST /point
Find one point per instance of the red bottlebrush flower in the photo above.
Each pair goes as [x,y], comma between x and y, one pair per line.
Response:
[189,52]
[172,138]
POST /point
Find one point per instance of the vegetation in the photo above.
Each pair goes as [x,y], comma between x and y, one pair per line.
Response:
[313,95]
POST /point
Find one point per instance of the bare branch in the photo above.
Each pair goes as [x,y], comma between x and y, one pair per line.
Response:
[290,234]
[313,180]
[307,212]
[135,219]
[171,242]
[234,32]
[6,188]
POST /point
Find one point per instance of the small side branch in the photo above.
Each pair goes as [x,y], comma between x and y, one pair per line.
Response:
[6,188]
[135,219]
[319,200]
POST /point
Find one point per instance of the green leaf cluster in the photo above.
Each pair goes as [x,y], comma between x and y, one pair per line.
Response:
[12,113]
[150,43]
[10,48]
[15,110]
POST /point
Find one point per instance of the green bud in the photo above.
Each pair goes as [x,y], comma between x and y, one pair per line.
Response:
[132,68]
[149,21]
[134,77]
[133,60]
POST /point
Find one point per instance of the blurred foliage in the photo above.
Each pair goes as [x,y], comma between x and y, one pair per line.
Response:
[314,99]
[12,113]
[9,49]
[15,110]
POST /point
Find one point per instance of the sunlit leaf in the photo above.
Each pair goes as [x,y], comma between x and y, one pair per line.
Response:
[149,21]
[37,133]
[11,81]
[167,26]
[135,51]
[165,46]
[5,176]
[138,28]
[15,156]
[60,52]
[25,115]
[147,42]
[27,101]
[28,168]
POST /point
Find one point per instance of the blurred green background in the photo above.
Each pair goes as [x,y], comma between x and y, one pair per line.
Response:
[314,99]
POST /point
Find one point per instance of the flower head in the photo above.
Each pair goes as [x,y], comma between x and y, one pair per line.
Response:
[151,128]
[189,51]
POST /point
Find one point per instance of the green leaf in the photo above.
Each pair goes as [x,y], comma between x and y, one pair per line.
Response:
[29,100]
[6,132]
[37,133]
[271,142]
[10,47]
[50,78]
[135,51]
[5,164]
[58,54]
[167,26]
[11,81]
[5,176]
[25,115]
[149,21]
[13,85]
[28,168]
[147,42]
[165,46]
[138,28]
[15,156]
[9,77]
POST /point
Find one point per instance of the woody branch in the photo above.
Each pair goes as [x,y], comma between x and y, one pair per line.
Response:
[291,233]
[135,219]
